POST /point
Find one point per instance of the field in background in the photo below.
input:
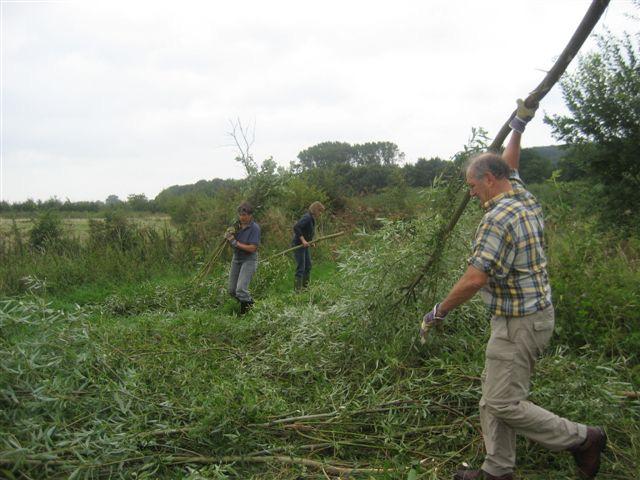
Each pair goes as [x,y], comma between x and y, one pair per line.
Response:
[77,225]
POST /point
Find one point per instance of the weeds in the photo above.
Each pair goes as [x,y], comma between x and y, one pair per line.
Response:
[161,382]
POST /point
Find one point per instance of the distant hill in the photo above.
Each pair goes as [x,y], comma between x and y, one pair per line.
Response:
[204,187]
[538,163]
[551,152]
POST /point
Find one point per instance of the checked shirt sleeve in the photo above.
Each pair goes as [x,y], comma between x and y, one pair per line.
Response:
[493,251]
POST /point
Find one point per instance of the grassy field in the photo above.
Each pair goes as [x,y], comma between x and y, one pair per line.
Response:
[160,378]
[156,382]
[78,226]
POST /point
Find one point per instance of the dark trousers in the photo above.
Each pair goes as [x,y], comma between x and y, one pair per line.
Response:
[303,262]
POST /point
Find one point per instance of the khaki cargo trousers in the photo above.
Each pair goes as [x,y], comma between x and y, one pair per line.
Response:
[515,345]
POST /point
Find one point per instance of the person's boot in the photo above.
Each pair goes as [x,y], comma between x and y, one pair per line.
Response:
[587,454]
[480,475]
[298,284]
[245,307]
[305,281]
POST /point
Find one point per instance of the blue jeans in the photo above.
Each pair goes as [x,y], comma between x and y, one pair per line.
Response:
[240,275]
[303,262]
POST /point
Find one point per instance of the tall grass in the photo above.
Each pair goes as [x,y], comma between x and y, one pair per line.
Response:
[595,275]
[164,381]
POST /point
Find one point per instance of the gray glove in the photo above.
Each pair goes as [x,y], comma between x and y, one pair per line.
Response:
[523,116]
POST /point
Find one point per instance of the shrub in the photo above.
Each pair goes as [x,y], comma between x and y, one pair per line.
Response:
[594,273]
[47,231]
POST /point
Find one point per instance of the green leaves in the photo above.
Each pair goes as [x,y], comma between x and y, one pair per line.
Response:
[603,98]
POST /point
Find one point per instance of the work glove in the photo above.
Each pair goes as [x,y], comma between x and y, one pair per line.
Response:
[229,233]
[429,321]
[523,115]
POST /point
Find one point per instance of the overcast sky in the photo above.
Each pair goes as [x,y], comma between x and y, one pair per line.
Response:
[108,97]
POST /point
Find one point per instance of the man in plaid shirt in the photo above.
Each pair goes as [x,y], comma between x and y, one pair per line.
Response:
[509,268]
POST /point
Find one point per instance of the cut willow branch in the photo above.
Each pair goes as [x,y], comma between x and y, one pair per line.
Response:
[313,242]
[583,31]
[332,469]
[208,265]
[384,407]
[175,459]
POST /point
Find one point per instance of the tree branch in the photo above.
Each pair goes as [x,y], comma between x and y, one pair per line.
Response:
[583,31]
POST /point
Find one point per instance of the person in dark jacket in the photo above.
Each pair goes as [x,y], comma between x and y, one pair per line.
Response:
[245,242]
[303,232]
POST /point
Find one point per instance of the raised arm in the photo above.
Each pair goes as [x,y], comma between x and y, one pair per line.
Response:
[511,154]
[524,114]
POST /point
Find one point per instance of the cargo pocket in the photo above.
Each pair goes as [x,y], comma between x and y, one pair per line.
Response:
[499,328]
[495,355]
[543,330]
[499,364]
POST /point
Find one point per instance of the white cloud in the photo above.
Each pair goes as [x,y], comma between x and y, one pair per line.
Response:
[132,97]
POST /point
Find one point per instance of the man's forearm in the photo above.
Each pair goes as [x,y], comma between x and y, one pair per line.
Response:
[247,247]
[464,289]
[511,154]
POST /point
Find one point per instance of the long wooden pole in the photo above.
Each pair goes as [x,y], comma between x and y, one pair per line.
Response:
[312,242]
[181,459]
[583,31]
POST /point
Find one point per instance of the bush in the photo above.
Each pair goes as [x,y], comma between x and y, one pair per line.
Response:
[595,276]
[298,194]
[115,231]
[47,231]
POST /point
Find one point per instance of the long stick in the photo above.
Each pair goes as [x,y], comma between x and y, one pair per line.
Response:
[583,31]
[174,460]
[313,242]
[379,408]
[208,265]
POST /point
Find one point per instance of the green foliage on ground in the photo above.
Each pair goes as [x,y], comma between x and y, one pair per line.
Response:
[595,275]
[162,379]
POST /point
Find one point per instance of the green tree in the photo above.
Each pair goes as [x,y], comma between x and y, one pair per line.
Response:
[571,166]
[534,168]
[603,98]
[138,202]
[28,206]
[326,155]
[377,153]
[333,154]
[112,201]
[424,171]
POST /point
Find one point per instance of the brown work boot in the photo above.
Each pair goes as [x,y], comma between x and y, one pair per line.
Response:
[479,475]
[587,454]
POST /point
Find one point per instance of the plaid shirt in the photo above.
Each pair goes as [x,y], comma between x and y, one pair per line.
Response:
[509,248]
